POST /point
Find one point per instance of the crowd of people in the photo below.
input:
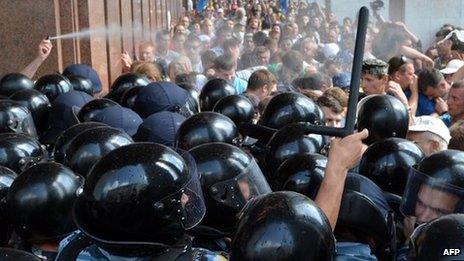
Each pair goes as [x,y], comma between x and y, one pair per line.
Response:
[203,147]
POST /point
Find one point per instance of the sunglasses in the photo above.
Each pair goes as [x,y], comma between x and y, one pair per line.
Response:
[396,62]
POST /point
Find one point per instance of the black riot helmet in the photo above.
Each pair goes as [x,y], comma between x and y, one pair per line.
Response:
[65,138]
[435,187]
[229,179]
[91,145]
[140,195]
[125,82]
[80,83]
[206,127]
[441,239]
[288,141]
[237,107]
[17,150]
[384,116]
[16,118]
[13,82]
[7,176]
[283,225]
[93,107]
[213,91]
[128,97]
[387,163]
[302,173]
[11,254]
[365,217]
[37,103]
[289,107]
[46,215]
[194,96]
[53,85]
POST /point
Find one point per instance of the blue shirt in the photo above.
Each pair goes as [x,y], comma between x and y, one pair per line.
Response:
[425,106]
[240,85]
[353,251]
[402,253]
[446,118]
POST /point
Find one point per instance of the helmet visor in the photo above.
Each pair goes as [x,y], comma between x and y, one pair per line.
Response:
[428,198]
[187,205]
[236,192]
[28,126]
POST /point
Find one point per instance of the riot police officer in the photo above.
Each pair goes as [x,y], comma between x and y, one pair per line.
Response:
[138,201]
[229,179]
[283,225]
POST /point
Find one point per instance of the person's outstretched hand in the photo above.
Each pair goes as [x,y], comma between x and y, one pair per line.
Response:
[345,153]
[44,49]
[126,60]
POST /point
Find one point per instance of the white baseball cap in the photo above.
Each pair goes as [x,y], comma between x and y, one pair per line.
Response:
[431,124]
[330,50]
[452,66]
[458,33]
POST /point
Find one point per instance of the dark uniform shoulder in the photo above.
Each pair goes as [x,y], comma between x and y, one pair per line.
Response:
[193,254]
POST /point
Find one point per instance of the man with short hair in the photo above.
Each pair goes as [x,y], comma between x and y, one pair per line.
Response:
[457,140]
[455,104]
[222,34]
[163,42]
[207,27]
[220,18]
[261,84]
[146,54]
[451,68]
[314,82]
[248,44]
[401,70]
[192,47]
[446,52]
[434,188]
[263,55]
[180,29]
[247,58]
[334,112]
[231,47]
[308,48]
[225,67]
[260,38]
[185,21]
[432,89]
[374,76]
[291,30]
[374,80]
[430,134]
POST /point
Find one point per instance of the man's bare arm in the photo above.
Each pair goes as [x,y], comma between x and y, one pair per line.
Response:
[343,155]
[44,50]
